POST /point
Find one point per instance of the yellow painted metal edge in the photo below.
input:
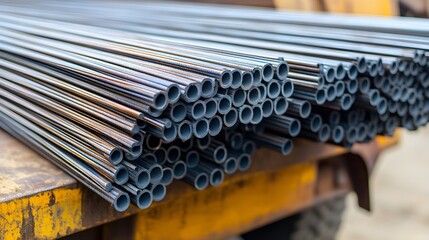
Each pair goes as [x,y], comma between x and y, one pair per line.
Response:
[50,214]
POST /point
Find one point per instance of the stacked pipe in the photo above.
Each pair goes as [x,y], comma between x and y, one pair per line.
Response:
[127,97]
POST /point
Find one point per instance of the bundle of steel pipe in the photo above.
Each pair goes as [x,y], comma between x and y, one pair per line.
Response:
[127,97]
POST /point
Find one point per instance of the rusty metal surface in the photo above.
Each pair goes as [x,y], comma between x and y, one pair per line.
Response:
[40,201]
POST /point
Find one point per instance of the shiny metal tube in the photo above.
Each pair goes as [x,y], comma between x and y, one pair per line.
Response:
[284,145]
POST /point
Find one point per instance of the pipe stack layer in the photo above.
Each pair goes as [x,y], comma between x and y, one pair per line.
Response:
[129,97]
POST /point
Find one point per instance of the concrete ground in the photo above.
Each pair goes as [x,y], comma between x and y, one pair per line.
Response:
[400,195]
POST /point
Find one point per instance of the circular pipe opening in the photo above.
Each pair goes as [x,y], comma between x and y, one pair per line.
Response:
[192,159]
[231,118]
[352,86]
[287,88]
[324,133]
[267,72]
[226,79]
[330,93]
[253,96]
[167,176]
[374,97]
[372,129]
[247,82]
[257,115]
[216,177]
[192,92]
[144,199]
[173,93]
[152,142]
[173,154]
[201,128]
[237,78]
[338,134]
[382,106]
[116,156]
[351,135]
[361,65]
[361,132]
[143,179]
[169,133]
[346,102]
[402,109]
[245,114]
[287,147]
[122,202]
[136,150]
[121,175]
[339,88]
[257,76]
[305,109]
[316,123]
[394,67]
[178,112]
[158,192]
[207,87]
[392,106]
[352,73]
[340,72]
[263,91]
[160,101]
[364,85]
[267,108]
[330,75]
[155,173]
[294,128]
[185,130]
[282,70]
[236,140]
[273,89]
[244,162]
[230,165]
[215,125]
[249,147]
[160,155]
[224,104]
[211,107]
[386,86]
[139,137]
[320,96]
[201,181]
[280,106]
[238,98]
[179,170]
[198,110]
[373,69]
[220,154]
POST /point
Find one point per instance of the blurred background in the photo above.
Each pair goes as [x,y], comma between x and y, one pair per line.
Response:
[399,195]
[411,8]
